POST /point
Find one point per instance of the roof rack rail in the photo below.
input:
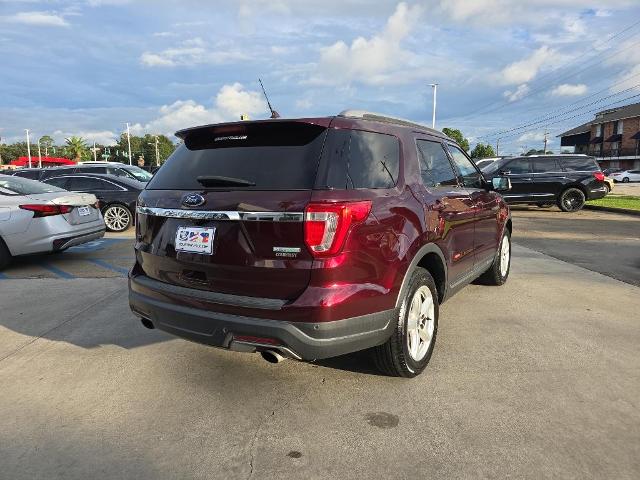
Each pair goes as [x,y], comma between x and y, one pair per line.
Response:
[379,117]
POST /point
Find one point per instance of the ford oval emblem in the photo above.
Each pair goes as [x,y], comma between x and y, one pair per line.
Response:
[193,200]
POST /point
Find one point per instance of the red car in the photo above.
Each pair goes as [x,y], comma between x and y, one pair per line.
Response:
[316,237]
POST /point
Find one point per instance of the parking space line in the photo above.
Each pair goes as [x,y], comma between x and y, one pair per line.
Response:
[57,271]
[108,266]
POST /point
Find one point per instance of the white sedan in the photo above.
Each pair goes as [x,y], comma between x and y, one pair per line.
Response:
[39,218]
[626,176]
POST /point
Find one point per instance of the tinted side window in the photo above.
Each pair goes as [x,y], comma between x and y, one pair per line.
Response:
[467,171]
[84,184]
[435,167]
[577,164]
[33,175]
[543,165]
[357,159]
[119,172]
[518,167]
[57,182]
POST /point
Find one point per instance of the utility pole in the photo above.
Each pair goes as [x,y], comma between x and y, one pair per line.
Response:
[129,143]
[95,159]
[435,89]
[498,147]
[545,141]
[157,154]
[28,147]
[39,156]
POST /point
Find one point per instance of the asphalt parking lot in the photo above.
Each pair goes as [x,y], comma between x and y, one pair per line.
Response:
[536,379]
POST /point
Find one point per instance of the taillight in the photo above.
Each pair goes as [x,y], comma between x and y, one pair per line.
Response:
[47,210]
[598,176]
[326,225]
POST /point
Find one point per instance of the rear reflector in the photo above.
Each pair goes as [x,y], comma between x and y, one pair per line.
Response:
[47,210]
[326,225]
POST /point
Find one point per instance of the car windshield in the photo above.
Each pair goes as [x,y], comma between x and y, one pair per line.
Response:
[139,174]
[24,186]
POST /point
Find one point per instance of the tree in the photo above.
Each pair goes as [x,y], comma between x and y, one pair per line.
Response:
[46,142]
[482,151]
[458,137]
[165,148]
[77,149]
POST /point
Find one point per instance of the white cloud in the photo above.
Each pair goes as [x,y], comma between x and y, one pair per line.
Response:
[194,51]
[526,69]
[372,60]
[304,104]
[104,137]
[533,137]
[516,94]
[569,90]
[231,101]
[42,19]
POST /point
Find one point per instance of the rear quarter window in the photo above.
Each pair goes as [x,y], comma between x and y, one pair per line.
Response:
[355,159]
[577,164]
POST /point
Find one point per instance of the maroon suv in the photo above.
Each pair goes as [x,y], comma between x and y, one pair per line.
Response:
[315,237]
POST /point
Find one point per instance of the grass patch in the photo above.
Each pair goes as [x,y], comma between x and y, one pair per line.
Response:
[629,202]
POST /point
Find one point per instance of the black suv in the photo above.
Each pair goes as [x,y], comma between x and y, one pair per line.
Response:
[566,180]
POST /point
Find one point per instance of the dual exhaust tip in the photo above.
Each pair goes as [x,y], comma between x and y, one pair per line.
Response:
[271,356]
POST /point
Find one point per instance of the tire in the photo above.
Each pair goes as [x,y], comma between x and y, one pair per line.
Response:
[625,180]
[408,351]
[5,255]
[571,200]
[117,217]
[606,185]
[498,272]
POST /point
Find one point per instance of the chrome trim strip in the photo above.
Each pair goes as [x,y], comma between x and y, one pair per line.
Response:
[221,214]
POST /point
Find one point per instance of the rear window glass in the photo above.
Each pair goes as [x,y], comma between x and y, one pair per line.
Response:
[357,159]
[579,164]
[265,156]
[24,186]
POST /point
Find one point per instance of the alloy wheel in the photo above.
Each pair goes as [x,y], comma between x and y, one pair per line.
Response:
[117,218]
[505,254]
[572,200]
[420,323]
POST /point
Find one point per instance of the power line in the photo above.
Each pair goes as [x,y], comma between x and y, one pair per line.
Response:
[578,59]
[551,117]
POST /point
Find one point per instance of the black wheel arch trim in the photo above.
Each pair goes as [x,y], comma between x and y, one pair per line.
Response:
[424,250]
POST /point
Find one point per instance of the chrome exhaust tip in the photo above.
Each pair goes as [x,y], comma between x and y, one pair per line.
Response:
[272,356]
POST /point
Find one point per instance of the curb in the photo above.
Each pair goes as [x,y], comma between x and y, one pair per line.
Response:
[625,211]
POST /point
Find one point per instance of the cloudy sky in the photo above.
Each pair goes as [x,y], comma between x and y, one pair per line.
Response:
[87,67]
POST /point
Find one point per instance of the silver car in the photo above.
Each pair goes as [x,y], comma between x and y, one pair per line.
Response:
[38,218]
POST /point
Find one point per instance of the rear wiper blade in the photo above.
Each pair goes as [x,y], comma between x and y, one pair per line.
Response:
[218,181]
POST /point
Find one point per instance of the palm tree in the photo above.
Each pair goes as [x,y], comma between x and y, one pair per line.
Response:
[77,147]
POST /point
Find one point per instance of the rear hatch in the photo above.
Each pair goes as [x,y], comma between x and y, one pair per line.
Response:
[225,212]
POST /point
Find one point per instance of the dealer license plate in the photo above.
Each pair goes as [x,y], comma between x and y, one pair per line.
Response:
[195,239]
[84,211]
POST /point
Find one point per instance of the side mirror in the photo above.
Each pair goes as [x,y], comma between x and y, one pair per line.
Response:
[501,184]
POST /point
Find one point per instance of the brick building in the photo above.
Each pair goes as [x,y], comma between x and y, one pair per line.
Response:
[613,137]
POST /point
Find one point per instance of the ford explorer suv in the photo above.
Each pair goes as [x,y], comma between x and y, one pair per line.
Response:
[565,180]
[316,237]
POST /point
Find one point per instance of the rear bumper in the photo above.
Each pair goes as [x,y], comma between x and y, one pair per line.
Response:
[301,340]
[595,193]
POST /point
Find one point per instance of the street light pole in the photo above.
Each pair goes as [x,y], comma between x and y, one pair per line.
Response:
[129,143]
[28,147]
[157,154]
[39,156]
[435,89]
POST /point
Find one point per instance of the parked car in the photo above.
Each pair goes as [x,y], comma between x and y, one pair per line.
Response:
[608,183]
[110,168]
[39,218]
[313,238]
[117,195]
[626,176]
[483,162]
[610,171]
[30,173]
[566,180]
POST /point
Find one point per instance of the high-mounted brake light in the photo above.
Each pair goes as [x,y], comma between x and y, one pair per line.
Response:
[326,225]
[46,210]
[598,176]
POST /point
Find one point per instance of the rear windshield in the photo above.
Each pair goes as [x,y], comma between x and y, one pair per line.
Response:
[266,156]
[24,186]
[579,164]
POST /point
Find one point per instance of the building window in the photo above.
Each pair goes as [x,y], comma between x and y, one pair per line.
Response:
[596,148]
[619,126]
[614,149]
[599,130]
